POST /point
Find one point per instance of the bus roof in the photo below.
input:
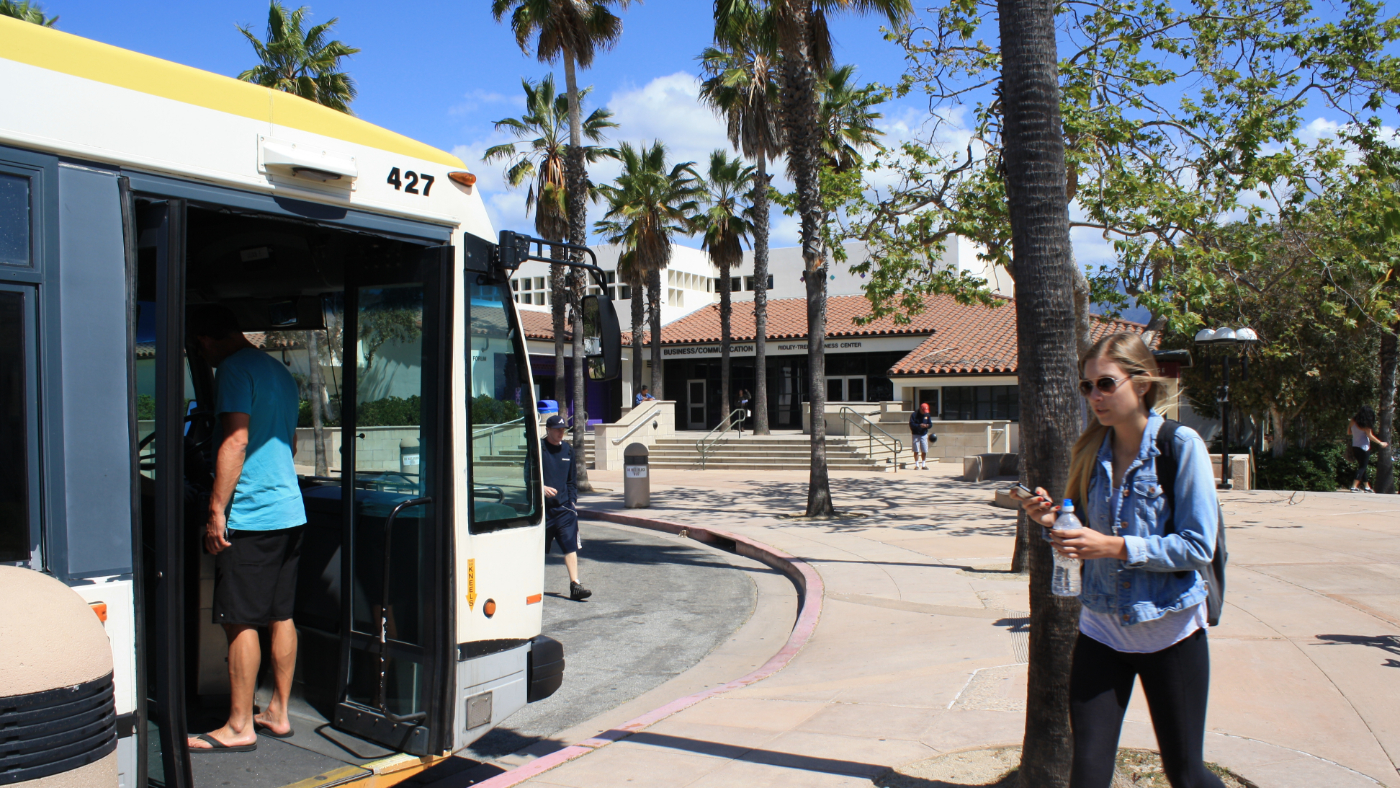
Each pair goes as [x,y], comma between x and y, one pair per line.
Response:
[46,48]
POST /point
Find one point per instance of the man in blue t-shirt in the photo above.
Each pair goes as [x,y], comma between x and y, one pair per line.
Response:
[255,524]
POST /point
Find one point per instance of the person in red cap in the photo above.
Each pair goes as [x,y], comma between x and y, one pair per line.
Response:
[919,424]
[560,501]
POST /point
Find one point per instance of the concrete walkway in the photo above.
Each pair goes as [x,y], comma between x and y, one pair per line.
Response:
[921,644]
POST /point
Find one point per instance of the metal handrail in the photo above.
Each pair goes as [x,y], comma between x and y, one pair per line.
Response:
[490,431]
[861,420]
[637,426]
[723,427]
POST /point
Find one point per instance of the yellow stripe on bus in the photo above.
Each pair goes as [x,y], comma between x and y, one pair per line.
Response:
[55,50]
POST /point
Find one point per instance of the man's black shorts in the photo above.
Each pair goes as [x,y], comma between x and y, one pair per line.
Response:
[255,577]
[561,525]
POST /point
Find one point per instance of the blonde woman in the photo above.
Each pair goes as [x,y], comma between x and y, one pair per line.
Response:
[1144,604]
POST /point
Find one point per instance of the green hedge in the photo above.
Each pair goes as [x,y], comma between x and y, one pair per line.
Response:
[1318,468]
[387,412]
[489,410]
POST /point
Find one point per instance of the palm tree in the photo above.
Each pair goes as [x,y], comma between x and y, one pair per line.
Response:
[847,122]
[26,11]
[305,64]
[539,160]
[648,205]
[573,30]
[631,275]
[742,85]
[1038,209]
[725,223]
[804,49]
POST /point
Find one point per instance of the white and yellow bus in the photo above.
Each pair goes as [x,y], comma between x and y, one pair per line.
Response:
[133,188]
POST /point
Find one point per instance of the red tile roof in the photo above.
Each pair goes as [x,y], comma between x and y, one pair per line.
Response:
[982,340]
[963,338]
[540,325]
[787,319]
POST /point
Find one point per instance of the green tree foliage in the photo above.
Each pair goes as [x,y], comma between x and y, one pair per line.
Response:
[303,63]
[26,11]
[489,410]
[1177,119]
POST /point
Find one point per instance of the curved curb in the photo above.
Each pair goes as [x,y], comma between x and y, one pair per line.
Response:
[809,610]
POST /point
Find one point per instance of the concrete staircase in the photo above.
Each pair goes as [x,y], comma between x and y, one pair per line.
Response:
[516,456]
[773,453]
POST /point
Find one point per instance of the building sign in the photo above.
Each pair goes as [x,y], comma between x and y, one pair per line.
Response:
[781,347]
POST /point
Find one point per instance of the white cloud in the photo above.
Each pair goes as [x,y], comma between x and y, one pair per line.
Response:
[476,100]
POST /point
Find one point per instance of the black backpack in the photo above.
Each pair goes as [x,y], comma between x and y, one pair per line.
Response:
[1214,574]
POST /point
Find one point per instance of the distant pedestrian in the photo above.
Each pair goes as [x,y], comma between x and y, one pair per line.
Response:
[1143,612]
[561,502]
[643,396]
[744,399]
[919,424]
[1361,439]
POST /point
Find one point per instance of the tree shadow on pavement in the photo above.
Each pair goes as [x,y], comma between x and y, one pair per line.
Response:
[959,508]
[1387,643]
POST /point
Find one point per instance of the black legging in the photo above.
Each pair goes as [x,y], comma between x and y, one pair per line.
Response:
[1175,680]
[1363,458]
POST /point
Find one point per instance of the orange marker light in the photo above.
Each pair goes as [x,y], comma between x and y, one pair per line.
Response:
[489,608]
[534,599]
[100,608]
[464,178]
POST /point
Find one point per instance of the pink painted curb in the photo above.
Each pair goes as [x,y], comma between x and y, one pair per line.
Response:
[810,591]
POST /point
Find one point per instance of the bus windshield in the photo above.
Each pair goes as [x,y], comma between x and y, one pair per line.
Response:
[504,455]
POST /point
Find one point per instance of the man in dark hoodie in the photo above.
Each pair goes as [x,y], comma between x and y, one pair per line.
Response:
[560,501]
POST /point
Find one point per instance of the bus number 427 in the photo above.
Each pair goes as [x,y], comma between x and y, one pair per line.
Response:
[409,181]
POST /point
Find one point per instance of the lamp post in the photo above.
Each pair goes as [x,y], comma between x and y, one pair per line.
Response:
[1229,338]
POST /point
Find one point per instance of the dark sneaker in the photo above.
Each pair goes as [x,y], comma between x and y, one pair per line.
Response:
[578,593]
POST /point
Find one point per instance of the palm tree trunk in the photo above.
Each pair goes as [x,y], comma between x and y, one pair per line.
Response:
[576,184]
[654,308]
[800,122]
[558,308]
[1385,458]
[725,332]
[318,432]
[1046,343]
[638,328]
[760,299]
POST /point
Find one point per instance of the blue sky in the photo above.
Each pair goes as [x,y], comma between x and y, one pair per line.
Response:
[442,72]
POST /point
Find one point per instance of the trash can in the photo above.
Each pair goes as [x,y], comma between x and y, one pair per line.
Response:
[636,478]
[547,407]
[409,456]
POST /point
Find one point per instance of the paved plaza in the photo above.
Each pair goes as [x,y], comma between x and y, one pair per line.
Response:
[920,647]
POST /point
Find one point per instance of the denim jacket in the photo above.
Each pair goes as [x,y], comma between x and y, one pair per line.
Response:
[1145,586]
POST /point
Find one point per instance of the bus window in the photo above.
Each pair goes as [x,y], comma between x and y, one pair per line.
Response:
[14,220]
[14,438]
[504,450]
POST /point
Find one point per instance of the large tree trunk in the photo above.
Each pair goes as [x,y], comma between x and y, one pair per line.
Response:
[638,328]
[576,184]
[760,300]
[804,162]
[1385,458]
[560,294]
[654,307]
[314,382]
[726,312]
[1046,343]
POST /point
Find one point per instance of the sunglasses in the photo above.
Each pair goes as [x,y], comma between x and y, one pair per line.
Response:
[1106,385]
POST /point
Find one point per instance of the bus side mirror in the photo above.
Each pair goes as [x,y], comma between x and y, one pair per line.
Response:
[602,338]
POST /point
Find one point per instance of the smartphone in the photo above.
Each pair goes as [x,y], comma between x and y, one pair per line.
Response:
[1022,491]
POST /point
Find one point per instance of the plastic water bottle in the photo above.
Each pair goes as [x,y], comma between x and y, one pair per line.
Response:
[1066,581]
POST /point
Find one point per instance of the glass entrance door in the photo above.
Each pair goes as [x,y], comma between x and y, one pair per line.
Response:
[695,404]
[395,430]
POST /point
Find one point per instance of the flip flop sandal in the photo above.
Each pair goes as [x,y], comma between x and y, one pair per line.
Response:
[217,746]
[263,730]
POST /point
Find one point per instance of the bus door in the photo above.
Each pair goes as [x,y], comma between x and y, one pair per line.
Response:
[397,608]
[159,227]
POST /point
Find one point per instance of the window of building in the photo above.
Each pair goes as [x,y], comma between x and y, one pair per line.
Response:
[962,403]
